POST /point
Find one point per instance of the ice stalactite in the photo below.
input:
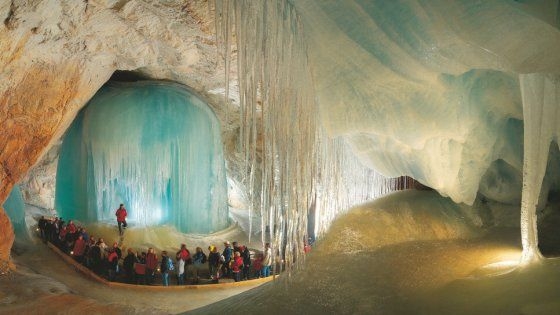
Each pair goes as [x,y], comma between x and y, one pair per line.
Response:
[541,102]
[291,165]
[156,148]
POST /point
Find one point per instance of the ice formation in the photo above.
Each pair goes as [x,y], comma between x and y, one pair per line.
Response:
[541,100]
[425,89]
[155,147]
[15,208]
[295,171]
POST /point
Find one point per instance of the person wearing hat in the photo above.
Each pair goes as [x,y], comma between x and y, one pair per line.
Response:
[213,263]
[228,255]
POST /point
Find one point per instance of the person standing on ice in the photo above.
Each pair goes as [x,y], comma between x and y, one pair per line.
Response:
[267,261]
[121,218]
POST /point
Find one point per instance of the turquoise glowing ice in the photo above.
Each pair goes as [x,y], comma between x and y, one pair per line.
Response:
[15,208]
[154,147]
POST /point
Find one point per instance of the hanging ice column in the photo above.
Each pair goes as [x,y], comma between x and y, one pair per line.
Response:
[541,101]
[154,147]
[294,170]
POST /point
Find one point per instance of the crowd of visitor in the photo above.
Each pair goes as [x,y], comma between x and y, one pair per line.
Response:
[235,261]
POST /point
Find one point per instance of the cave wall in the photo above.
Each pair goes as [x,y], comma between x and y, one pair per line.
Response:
[446,71]
[54,56]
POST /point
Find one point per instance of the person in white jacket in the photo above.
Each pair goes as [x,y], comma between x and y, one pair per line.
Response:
[267,260]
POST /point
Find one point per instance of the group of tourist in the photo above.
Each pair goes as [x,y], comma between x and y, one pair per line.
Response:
[233,262]
[84,248]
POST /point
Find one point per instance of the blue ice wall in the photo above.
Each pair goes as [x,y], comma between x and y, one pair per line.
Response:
[15,209]
[154,147]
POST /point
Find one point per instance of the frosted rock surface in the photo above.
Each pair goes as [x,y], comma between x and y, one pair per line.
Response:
[428,89]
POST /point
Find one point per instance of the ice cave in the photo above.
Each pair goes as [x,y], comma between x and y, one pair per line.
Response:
[154,147]
[414,142]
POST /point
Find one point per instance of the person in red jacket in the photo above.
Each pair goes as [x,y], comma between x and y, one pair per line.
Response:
[237,266]
[121,218]
[151,265]
[79,249]
[113,264]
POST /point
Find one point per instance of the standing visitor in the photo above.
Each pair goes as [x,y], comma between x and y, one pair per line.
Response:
[213,263]
[71,228]
[183,257]
[121,218]
[237,266]
[246,255]
[199,259]
[267,260]
[117,249]
[43,228]
[164,268]
[112,263]
[257,265]
[128,265]
[95,258]
[140,268]
[228,256]
[79,249]
[151,265]
[103,248]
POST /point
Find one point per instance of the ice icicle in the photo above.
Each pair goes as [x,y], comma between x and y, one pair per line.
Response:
[292,170]
[541,100]
[153,146]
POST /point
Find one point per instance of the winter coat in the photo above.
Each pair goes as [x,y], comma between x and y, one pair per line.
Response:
[214,259]
[184,255]
[121,214]
[267,260]
[163,266]
[246,255]
[199,258]
[128,263]
[228,254]
[79,247]
[113,260]
[151,261]
[237,264]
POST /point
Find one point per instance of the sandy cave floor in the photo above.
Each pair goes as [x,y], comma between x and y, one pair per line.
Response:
[44,284]
[478,275]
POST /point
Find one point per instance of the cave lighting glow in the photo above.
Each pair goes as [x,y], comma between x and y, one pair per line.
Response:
[156,147]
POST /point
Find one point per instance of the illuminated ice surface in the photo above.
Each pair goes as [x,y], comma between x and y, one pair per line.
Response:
[428,89]
[15,208]
[154,147]
[411,253]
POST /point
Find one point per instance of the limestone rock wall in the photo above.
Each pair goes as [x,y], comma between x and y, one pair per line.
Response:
[55,54]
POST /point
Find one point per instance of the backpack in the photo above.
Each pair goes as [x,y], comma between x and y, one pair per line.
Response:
[170,265]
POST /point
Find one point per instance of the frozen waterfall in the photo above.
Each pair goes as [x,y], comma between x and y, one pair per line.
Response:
[156,148]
